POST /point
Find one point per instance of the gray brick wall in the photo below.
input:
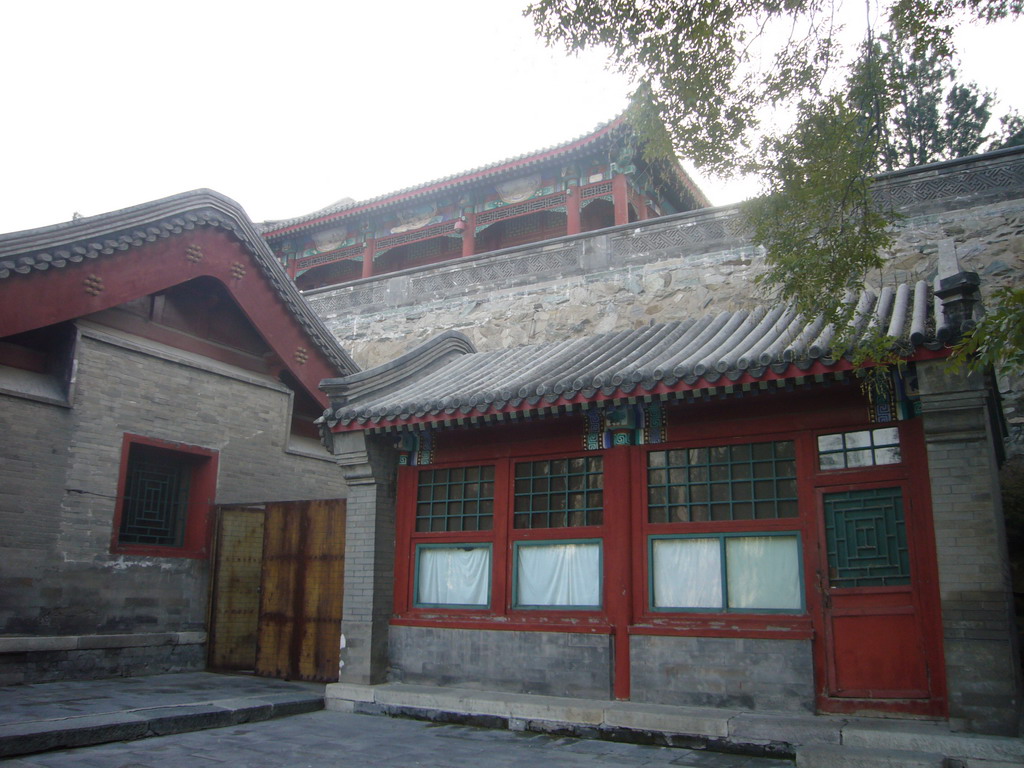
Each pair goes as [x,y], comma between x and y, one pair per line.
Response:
[33,463]
[731,673]
[368,463]
[546,663]
[99,663]
[59,473]
[977,614]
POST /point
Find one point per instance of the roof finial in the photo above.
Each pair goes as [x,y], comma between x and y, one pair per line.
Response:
[957,289]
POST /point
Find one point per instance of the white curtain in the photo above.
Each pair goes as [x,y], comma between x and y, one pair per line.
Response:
[763,572]
[559,574]
[687,573]
[454,576]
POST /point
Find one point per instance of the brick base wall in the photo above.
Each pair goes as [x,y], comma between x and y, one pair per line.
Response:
[545,663]
[728,673]
[94,657]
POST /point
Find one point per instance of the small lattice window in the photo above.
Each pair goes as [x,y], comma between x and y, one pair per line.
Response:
[867,538]
[156,497]
[863,448]
[751,481]
[458,499]
[559,493]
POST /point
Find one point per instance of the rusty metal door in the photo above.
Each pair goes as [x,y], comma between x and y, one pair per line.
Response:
[301,590]
[234,596]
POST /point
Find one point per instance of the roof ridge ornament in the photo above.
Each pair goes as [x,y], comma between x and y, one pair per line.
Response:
[957,289]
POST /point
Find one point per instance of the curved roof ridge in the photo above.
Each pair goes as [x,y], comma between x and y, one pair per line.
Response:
[416,362]
[273,227]
[741,346]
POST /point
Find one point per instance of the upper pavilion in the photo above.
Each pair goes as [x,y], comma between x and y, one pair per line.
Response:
[594,181]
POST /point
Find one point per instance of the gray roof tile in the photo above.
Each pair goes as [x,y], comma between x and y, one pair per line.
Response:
[447,379]
[95,237]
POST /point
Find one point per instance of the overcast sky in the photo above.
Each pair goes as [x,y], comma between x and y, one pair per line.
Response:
[287,107]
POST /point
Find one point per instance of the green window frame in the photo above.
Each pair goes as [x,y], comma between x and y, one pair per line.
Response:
[859,449]
[518,547]
[558,493]
[419,577]
[728,581]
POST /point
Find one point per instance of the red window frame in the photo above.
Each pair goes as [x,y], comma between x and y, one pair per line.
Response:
[647,620]
[502,539]
[626,530]
[202,492]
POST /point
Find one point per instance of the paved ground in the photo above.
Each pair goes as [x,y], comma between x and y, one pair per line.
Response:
[81,698]
[339,740]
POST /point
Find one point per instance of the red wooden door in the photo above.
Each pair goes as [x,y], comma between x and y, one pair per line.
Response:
[878,654]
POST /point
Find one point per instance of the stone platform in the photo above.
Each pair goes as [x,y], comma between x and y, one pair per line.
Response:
[59,715]
[815,741]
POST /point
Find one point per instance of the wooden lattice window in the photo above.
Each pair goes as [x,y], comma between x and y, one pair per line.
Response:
[458,499]
[559,493]
[164,498]
[748,481]
[867,538]
[155,497]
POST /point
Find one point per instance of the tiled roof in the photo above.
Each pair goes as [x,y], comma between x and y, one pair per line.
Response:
[272,229]
[446,380]
[97,237]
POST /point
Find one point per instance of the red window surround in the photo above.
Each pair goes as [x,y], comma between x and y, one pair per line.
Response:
[626,526]
[201,464]
[502,538]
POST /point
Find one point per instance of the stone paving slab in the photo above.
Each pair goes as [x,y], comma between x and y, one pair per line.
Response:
[822,756]
[925,737]
[48,716]
[335,739]
[769,734]
[792,729]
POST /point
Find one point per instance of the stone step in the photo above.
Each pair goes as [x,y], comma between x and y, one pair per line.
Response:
[828,756]
[32,736]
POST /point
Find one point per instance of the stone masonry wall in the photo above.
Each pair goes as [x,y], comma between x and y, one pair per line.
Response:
[673,268]
[59,474]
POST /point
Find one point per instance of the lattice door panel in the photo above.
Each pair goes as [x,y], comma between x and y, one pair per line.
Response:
[867,538]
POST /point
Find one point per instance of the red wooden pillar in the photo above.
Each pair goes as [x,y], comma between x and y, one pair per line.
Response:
[291,268]
[641,208]
[572,211]
[368,253]
[620,198]
[618,568]
[469,234]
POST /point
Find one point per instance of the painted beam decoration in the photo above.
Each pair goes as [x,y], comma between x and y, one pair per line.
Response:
[628,424]
[545,190]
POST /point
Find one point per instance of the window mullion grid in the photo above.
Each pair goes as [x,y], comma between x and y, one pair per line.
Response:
[756,489]
[454,506]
